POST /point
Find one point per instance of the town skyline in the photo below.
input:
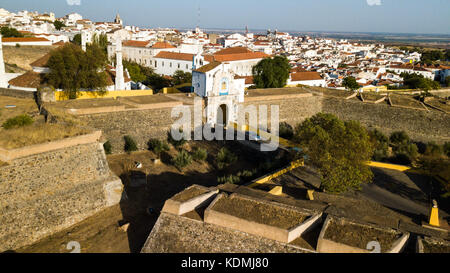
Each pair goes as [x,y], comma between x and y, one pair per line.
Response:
[352,16]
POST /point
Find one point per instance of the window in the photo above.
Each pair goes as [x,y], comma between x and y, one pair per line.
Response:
[156,64]
[170,64]
[187,66]
[162,64]
[178,65]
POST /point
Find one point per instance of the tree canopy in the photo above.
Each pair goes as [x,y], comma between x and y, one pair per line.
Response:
[180,77]
[58,25]
[10,32]
[339,150]
[271,72]
[72,69]
[350,83]
[416,81]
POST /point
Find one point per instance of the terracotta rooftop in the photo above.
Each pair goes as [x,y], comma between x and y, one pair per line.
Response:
[135,43]
[30,80]
[208,67]
[23,39]
[233,50]
[175,56]
[305,76]
[158,45]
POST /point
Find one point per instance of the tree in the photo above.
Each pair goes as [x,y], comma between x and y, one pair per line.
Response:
[405,151]
[77,39]
[58,25]
[72,69]
[8,32]
[101,41]
[271,72]
[380,143]
[416,81]
[447,81]
[180,77]
[339,150]
[350,83]
[135,71]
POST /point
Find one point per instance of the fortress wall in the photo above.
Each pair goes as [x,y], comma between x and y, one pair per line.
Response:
[141,125]
[293,110]
[44,193]
[419,125]
[155,123]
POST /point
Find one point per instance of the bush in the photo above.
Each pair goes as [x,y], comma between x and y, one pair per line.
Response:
[286,130]
[130,144]
[434,150]
[381,145]
[399,138]
[225,158]
[409,150]
[200,154]
[231,179]
[176,143]
[447,149]
[402,159]
[158,146]
[18,121]
[107,146]
[182,160]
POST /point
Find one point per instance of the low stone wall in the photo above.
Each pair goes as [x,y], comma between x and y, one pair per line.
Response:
[8,155]
[141,125]
[419,125]
[17,93]
[43,193]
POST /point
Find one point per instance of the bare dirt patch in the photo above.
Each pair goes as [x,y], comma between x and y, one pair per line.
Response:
[24,55]
[96,234]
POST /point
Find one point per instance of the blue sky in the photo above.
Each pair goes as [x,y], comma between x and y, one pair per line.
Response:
[395,16]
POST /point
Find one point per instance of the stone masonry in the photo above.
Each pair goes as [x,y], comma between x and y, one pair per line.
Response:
[45,193]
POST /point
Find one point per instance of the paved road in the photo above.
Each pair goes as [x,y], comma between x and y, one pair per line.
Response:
[401,191]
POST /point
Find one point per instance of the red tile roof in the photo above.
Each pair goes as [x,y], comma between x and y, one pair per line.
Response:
[23,39]
[305,76]
[30,80]
[175,56]
[135,43]
[233,50]
[162,45]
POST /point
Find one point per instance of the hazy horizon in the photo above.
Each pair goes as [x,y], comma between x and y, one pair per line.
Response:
[345,16]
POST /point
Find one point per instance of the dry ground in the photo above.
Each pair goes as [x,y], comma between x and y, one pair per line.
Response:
[39,131]
[24,55]
[146,190]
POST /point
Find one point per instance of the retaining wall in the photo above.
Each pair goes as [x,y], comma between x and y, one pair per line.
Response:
[43,193]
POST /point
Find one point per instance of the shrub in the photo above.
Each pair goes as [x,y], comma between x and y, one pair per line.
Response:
[409,150]
[434,150]
[130,144]
[286,130]
[447,149]
[108,147]
[158,146]
[183,159]
[200,154]
[176,143]
[230,179]
[225,158]
[402,159]
[399,138]
[381,145]
[18,121]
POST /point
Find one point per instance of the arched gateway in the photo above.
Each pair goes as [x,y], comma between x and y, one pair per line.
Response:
[221,90]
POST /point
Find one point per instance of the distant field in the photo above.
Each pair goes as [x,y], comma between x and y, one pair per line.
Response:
[24,55]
